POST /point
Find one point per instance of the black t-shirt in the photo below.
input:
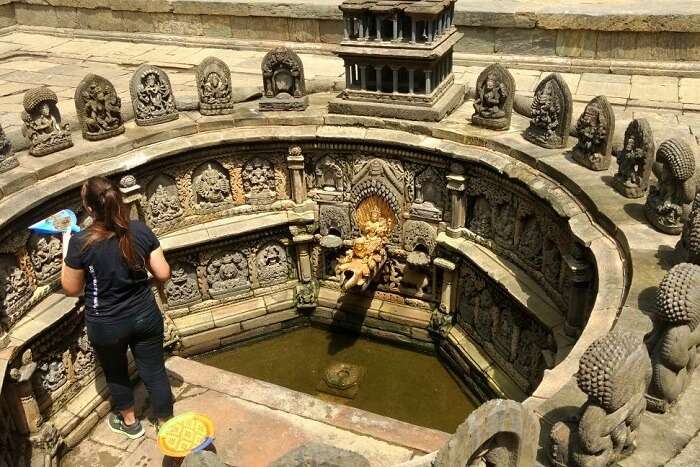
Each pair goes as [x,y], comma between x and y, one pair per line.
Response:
[112,291]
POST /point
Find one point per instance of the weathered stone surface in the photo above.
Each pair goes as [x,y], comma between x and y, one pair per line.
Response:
[318,455]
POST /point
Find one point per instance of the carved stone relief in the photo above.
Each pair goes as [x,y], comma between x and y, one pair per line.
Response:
[211,185]
[419,236]
[429,195]
[152,96]
[668,204]
[594,130]
[16,288]
[45,252]
[635,160]
[674,343]
[182,288]
[42,123]
[531,242]
[330,178]
[99,108]
[259,181]
[551,113]
[613,372]
[272,264]
[214,87]
[227,273]
[689,246]
[8,160]
[163,202]
[283,81]
[493,104]
[335,220]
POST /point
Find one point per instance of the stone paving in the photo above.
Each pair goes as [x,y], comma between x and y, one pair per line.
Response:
[29,60]
[255,424]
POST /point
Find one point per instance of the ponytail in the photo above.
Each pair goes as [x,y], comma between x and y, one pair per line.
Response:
[110,219]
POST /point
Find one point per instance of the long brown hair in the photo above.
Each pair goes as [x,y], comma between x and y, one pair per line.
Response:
[110,218]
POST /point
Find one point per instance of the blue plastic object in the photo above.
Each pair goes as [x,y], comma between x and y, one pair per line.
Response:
[57,223]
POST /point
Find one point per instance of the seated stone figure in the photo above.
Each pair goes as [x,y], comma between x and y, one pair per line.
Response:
[362,262]
[493,104]
[98,108]
[42,123]
[668,204]
[614,372]
[674,342]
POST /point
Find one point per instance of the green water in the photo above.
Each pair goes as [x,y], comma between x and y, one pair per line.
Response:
[400,383]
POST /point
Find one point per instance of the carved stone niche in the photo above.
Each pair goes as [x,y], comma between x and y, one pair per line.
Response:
[227,273]
[99,108]
[46,254]
[635,160]
[674,342]
[283,81]
[182,289]
[493,105]
[214,87]
[42,123]
[419,236]
[668,204]
[594,130]
[429,194]
[152,96]
[500,433]
[211,185]
[258,177]
[272,264]
[162,200]
[613,372]
[530,241]
[330,179]
[8,160]
[335,220]
[551,113]
[16,289]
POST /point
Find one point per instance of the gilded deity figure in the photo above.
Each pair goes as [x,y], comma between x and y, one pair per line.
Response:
[361,263]
[491,98]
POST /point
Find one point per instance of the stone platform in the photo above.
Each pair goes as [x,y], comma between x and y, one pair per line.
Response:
[256,423]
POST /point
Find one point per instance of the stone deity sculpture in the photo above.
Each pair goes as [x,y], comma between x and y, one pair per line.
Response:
[551,113]
[42,123]
[668,204]
[689,245]
[98,108]
[152,96]
[614,372]
[594,130]
[493,105]
[214,87]
[283,81]
[8,160]
[634,160]
[674,342]
[364,260]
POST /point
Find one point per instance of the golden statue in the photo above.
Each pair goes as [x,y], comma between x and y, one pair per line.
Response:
[367,255]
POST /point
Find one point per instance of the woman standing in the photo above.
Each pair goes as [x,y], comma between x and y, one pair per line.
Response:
[109,261]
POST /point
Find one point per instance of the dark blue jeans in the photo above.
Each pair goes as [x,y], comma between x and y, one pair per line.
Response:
[143,334]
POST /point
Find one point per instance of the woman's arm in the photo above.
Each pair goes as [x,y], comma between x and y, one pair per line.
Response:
[158,266]
[72,280]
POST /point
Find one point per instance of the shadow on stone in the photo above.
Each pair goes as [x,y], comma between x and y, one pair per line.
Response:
[635,211]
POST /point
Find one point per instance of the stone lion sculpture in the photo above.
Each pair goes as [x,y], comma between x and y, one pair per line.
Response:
[674,342]
[613,372]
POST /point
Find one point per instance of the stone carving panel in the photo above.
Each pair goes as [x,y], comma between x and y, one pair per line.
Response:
[42,123]
[46,254]
[182,289]
[99,108]
[674,343]
[8,160]
[493,105]
[330,178]
[613,372]
[212,189]
[272,264]
[227,273]
[668,203]
[335,220]
[162,200]
[429,195]
[283,81]
[419,236]
[152,96]
[259,181]
[635,160]
[551,113]
[16,288]
[521,345]
[214,87]
[594,130]
[689,246]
